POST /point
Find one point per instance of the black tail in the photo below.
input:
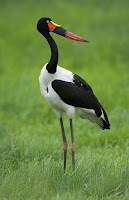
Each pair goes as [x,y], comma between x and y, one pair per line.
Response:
[106,124]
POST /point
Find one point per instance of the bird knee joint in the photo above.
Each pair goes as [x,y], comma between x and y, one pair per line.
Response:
[72,147]
[65,146]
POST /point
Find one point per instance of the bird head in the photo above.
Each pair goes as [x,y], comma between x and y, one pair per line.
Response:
[47,25]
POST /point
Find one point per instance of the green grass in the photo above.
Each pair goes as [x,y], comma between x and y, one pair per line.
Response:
[31,156]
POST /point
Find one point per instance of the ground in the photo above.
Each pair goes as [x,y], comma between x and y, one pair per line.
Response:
[31,155]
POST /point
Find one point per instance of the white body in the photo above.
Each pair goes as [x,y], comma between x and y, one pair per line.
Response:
[45,80]
[54,100]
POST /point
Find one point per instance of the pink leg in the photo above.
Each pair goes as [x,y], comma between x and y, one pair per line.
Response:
[65,146]
[72,147]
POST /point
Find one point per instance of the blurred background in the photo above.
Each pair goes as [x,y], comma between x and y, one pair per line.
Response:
[27,123]
[103,62]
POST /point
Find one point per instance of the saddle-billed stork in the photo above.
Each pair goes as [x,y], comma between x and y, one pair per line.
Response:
[65,91]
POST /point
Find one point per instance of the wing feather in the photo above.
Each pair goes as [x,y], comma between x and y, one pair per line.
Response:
[77,96]
[80,94]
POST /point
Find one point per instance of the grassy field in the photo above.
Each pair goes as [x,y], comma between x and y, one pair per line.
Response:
[31,156]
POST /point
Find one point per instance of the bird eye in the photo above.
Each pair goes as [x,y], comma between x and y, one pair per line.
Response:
[47,21]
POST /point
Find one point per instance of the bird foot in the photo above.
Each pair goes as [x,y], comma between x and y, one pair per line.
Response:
[65,146]
[72,147]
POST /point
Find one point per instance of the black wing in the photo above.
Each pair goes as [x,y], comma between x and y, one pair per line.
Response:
[80,82]
[93,100]
[78,94]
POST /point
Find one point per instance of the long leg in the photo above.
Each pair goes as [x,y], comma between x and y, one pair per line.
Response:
[73,145]
[65,145]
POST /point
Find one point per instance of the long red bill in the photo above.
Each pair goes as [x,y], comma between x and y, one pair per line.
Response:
[72,36]
[60,31]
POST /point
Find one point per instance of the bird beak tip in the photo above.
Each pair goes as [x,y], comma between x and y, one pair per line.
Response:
[72,36]
[86,41]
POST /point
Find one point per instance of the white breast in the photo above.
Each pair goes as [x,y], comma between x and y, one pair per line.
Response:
[45,80]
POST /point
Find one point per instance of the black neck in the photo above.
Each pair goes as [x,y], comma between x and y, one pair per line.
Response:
[52,65]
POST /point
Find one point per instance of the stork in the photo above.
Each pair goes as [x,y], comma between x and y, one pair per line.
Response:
[65,91]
